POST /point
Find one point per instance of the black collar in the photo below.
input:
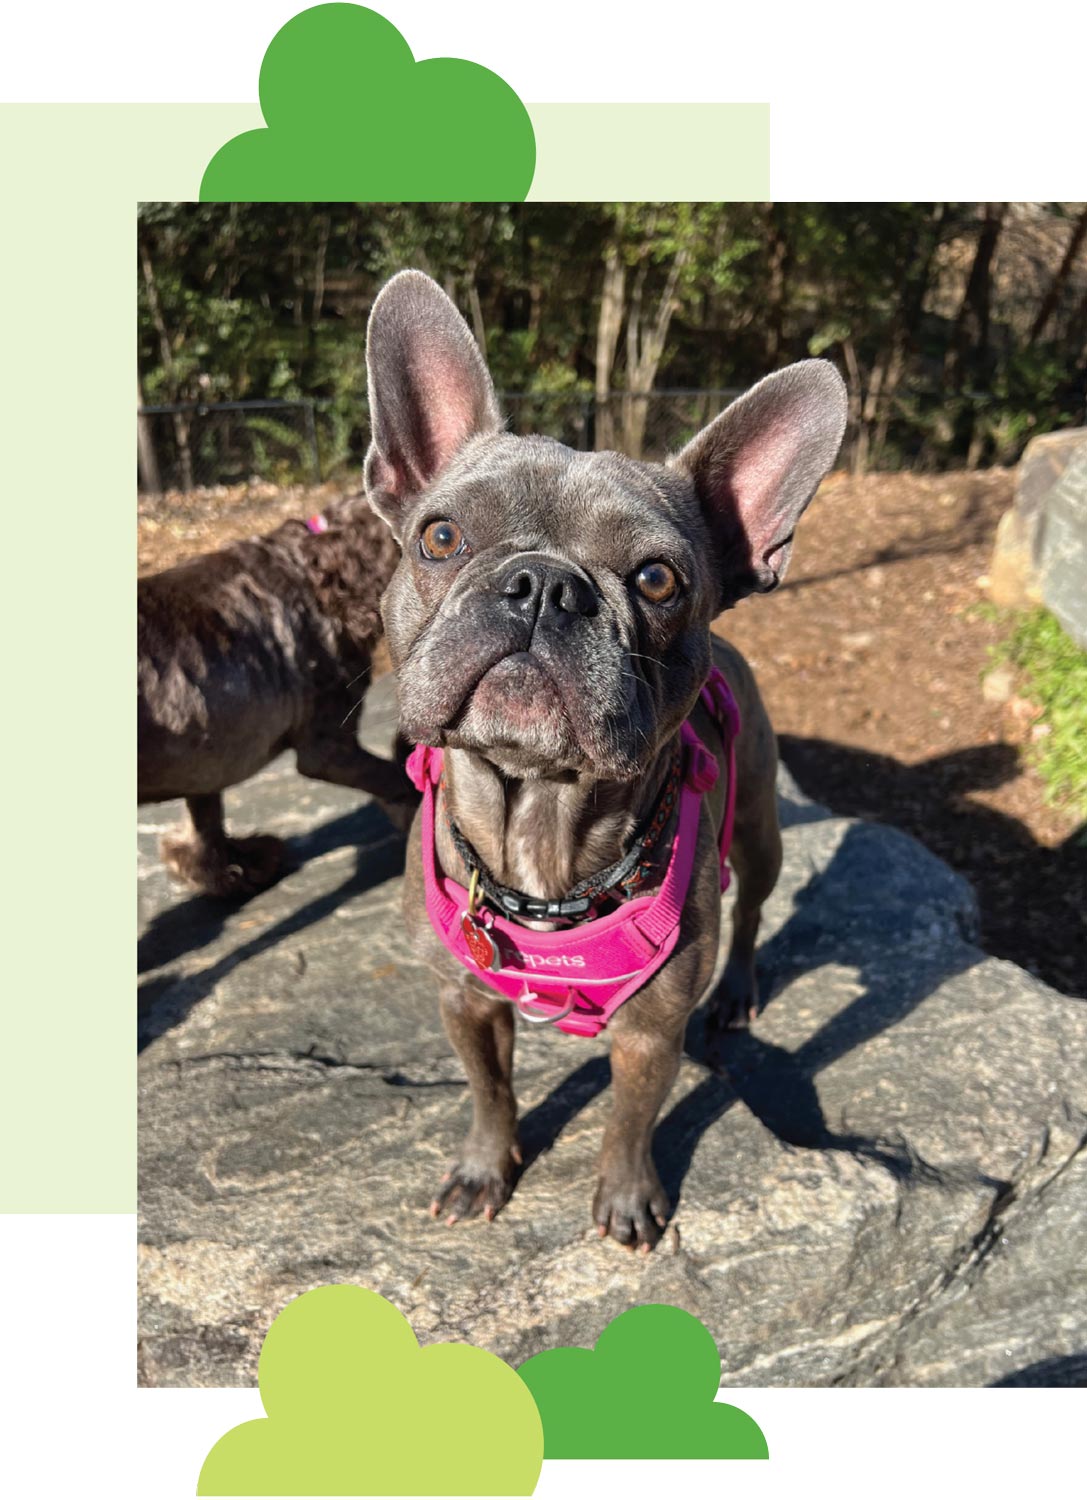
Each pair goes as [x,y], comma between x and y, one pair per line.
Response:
[619,880]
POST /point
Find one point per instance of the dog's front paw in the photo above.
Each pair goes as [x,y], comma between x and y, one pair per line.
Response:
[476,1185]
[633,1209]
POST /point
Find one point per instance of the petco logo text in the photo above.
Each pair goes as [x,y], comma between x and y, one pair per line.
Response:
[559,961]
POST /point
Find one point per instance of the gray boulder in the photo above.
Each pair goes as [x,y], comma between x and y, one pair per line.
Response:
[1041,547]
[888,1187]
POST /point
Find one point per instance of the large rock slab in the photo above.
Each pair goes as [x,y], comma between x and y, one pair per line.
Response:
[1041,549]
[886,1188]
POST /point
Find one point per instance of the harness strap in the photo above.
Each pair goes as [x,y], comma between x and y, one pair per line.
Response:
[630,944]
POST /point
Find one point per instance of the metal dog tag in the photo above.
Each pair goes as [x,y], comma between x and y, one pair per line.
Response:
[481,945]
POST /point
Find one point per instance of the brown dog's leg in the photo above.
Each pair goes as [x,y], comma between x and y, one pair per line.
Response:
[756,863]
[630,1203]
[204,858]
[339,758]
[481,1180]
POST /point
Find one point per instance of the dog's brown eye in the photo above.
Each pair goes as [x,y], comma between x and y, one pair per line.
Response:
[656,582]
[442,539]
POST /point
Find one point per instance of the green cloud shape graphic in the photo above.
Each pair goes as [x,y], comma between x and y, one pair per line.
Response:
[355,1407]
[646,1391]
[352,117]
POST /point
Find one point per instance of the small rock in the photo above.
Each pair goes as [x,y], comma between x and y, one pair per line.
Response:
[998,685]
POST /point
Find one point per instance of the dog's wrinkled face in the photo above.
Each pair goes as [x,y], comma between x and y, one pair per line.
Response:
[551,608]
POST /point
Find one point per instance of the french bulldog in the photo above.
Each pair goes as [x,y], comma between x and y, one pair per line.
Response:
[549,622]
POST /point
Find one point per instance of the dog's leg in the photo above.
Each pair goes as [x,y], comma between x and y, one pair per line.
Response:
[211,863]
[630,1203]
[481,1180]
[756,863]
[339,758]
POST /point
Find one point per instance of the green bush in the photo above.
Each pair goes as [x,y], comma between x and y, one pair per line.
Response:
[1054,671]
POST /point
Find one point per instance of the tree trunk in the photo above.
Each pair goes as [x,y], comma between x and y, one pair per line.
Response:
[895,367]
[855,394]
[780,264]
[869,410]
[969,351]
[479,326]
[1052,298]
[319,269]
[181,421]
[148,464]
[968,357]
[645,350]
[906,324]
[608,325]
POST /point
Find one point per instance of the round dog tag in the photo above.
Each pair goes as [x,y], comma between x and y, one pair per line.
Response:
[481,945]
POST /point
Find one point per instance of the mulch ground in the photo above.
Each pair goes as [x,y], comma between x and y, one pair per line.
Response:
[870,658]
[181,524]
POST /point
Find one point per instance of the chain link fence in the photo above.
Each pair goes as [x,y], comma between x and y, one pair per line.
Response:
[189,446]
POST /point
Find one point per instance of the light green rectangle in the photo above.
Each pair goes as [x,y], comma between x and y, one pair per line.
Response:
[68,257]
[74,176]
[687,153]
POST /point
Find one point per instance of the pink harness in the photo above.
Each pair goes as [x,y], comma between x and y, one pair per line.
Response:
[578,977]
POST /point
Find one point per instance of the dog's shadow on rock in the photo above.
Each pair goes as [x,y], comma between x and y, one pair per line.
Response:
[838,919]
[165,999]
[1031,896]
[1063,1372]
[195,921]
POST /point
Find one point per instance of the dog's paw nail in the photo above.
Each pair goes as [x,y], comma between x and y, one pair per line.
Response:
[515,1152]
[644,1248]
[452,1219]
[435,1209]
[446,1176]
[661,1220]
[601,1230]
[488,1212]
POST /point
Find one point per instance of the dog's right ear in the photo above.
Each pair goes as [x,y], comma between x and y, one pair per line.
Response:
[429,391]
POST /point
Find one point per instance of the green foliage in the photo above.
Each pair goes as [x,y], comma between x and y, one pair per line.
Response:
[1054,671]
[646,1391]
[257,300]
[280,452]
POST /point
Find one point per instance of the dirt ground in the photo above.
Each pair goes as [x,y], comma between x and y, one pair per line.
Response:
[182,524]
[870,657]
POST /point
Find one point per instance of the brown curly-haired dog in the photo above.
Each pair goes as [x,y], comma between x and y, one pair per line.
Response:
[263,646]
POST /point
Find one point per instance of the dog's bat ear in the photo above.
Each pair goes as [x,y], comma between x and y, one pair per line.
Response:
[429,391]
[758,465]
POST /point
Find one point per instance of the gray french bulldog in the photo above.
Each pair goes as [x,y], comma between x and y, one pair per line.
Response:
[550,626]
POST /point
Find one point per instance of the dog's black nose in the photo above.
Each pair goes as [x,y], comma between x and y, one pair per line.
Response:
[541,590]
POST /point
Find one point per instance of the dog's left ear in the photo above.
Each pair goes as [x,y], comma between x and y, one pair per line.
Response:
[758,465]
[429,389]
